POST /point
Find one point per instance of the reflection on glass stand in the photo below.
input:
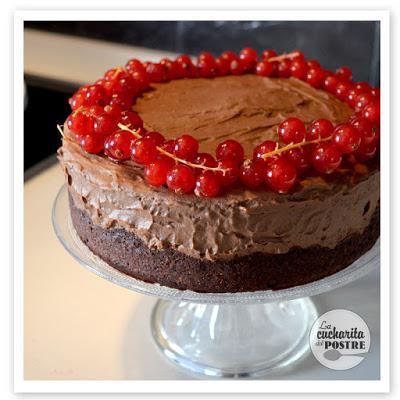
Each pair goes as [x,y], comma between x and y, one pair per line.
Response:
[222,335]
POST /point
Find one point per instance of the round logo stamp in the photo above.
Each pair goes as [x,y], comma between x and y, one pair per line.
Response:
[340,339]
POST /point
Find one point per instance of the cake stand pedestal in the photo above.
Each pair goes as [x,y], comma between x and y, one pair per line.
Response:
[221,334]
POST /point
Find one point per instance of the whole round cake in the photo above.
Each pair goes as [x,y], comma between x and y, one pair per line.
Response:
[238,173]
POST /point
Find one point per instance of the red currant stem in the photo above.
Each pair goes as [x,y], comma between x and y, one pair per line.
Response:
[180,160]
[284,56]
[60,129]
[116,72]
[291,146]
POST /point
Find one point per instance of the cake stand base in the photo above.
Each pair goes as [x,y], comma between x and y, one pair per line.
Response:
[233,340]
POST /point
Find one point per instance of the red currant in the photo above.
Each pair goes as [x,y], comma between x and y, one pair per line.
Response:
[266,54]
[118,145]
[351,96]
[131,120]
[342,89]
[236,67]
[230,174]
[228,56]
[77,100]
[80,123]
[123,100]
[364,86]
[186,147]
[169,146]
[298,69]
[264,148]
[171,68]
[181,179]
[283,69]
[376,92]
[91,143]
[252,174]
[364,127]
[344,73]
[346,138]
[281,175]
[155,72]
[230,149]
[134,65]
[313,64]
[264,68]
[372,112]
[222,66]
[155,137]
[326,158]
[320,128]
[292,130]
[315,77]
[141,80]
[205,159]
[330,83]
[366,151]
[363,99]
[156,172]
[299,157]
[143,151]
[207,184]
[206,65]
[105,124]
[248,58]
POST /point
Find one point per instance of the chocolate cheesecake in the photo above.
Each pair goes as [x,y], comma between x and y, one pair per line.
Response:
[243,240]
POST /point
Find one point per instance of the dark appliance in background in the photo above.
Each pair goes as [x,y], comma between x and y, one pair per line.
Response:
[333,43]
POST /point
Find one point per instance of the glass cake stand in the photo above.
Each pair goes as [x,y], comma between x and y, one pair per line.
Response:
[221,334]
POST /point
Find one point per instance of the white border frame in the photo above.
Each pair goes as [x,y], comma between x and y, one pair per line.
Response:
[200,386]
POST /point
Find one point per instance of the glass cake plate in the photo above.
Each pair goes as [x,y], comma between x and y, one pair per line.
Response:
[231,335]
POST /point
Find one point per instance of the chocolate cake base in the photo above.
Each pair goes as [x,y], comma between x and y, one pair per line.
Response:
[259,271]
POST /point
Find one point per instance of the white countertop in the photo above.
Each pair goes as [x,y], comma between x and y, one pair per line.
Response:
[79,326]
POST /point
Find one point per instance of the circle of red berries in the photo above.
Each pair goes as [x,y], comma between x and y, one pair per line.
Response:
[102,122]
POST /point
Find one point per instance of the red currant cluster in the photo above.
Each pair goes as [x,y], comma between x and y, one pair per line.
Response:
[102,120]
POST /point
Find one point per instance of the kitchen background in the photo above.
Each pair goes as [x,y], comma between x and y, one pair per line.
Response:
[333,43]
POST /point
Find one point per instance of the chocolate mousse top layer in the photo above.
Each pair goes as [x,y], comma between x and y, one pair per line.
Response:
[246,108]
[321,211]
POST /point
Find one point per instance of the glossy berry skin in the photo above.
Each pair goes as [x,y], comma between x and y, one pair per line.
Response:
[95,94]
[205,159]
[366,151]
[292,130]
[169,146]
[263,148]
[283,69]
[156,72]
[346,138]
[266,54]
[91,144]
[222,67]
[123,100]
[155,173]
[364,86]
[364,127]
[134,65]
[229,56]
[230,174]
[252,174]
[372,112]
[344,73]
[351,96]
[376,92]
[298,69]
[342,89]
[236,67]
[206,65]
[186,147]
[363,99]
[264,68]
[80,123]
[248,58]
[230,149]
[330,83]
[77,100]
[207,184]
[315,76]
[155,137]
[105,124]
[131,120]
[281,175]
[118,145]
[326,158]
[319,128]
[172,70]
[299,157]
[143,151]
[181,179]
[313,64]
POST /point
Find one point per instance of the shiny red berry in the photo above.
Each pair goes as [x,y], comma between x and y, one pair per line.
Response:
[123,100]
[319,128]
[266,54]
[298,69]
[80,123]
[252,174]
[351,96]
[236,67]
[315,76]
[363,99]
[283,68]
[372,112]
[248,58]
[131,120]
[222,67]
[264,148]
[230,149]
[155,173]
[281,175]
[299,157]
[207,184]
[186,147]
[364,86]
[205,159]
[264,68]
[134,65]
[94,95]
[330,83]
[366,151]
[156,72]
[292,130]
[118,145]
[346,138]
[91,143]
[77,100]
[313,64]
[169,146]
[143,151]
[105,124]
[342,88]
[155,137]
[364,127]
[344,73]
[181,179]
[326,158]
[230,174]
[171,68]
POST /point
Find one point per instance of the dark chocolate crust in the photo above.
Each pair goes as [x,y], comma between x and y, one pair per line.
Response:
[259,271]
